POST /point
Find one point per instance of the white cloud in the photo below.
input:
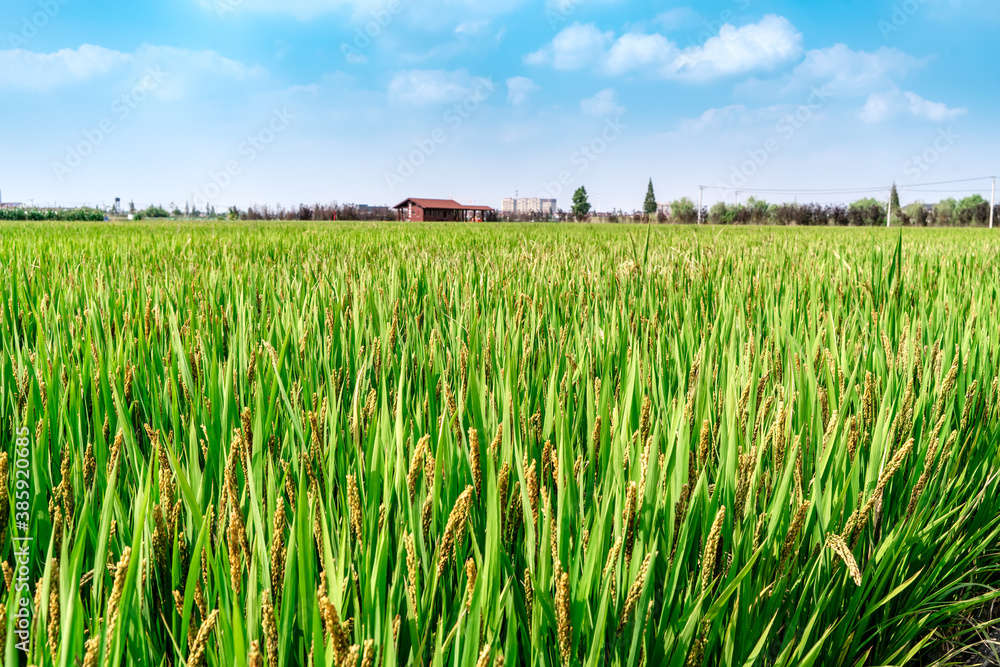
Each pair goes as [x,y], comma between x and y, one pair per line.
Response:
[27,70]
[575,47]
[518,89]
[641,52]
[604,103]
[879,107]
[763,45]
[882,106]
[934,111]
[423,87]
[757,46]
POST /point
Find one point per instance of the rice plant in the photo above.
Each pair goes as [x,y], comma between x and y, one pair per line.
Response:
[307,444]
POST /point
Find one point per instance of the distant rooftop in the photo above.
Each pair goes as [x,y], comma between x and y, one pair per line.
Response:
[441,204]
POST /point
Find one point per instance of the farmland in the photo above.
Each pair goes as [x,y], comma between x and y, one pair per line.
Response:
[353,444]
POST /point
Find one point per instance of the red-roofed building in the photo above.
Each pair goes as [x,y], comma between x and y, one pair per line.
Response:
[439,210]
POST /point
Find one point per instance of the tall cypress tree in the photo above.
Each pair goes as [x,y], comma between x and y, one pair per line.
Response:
[650,205]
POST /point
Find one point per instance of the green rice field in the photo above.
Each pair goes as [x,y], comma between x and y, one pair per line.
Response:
[298,444]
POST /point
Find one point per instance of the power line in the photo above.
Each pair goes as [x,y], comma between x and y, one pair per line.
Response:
[793,190]
[800,192]
[957,192]
[963,180]
[842,191]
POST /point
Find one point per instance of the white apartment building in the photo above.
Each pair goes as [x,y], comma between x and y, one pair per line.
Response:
[528,206]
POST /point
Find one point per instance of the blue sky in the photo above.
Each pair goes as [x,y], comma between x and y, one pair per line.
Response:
[372,101]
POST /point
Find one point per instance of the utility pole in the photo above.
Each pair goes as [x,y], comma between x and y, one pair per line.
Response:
[701,192]
[888,220]
[993,199]
[737,199]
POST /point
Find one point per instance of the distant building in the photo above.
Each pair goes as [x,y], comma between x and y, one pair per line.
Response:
[528,206]
[536,206]
[372,211]
[664,209]
[439,210]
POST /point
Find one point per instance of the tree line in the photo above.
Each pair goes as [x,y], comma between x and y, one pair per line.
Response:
[53,214]
[972,211]
[969,212]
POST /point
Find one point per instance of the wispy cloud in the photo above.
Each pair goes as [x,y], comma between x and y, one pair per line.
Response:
[876,77]
[426,87]
[519,88]
[895,102]
[850,72]
[307,10]
[604,103]
[28,70]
